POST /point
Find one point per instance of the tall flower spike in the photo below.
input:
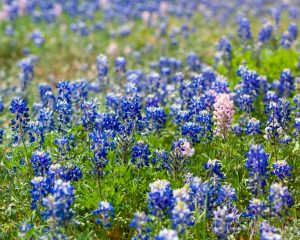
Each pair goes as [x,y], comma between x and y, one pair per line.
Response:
[167,234]
[257,166]
[58,205]
[281,169]
[160,198]
[20,124]
[41,162]
[280,199]
[223,114]
[105,214]
[140,223]
[27,71]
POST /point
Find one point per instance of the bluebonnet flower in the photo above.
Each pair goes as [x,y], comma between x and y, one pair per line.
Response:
[26,75]
[286,86]
[140,154]
[167,234]
[24,229]
[180,153]
[297,126]
[244,29]
[271,96]
[102,67]
[257,166]
[160,198]
[131,108]
[280,199]
[268,232]
[1,105]
[156,118]
[100,147]
[1,135]
[79,94]
[281,169]
[37,38]
[43,89]
[20,124]
[41,162]
[120,65]
[41,187]
[253,127]
[265,33]
[182,194]
[245,103]
[213,167]
[64,144]
[279,119]
[152,100]
[180,116]
[224,50]
[256,208]
[140,223]
[105,214]
[58,204]
[192,131]
[46,121]
[237,128]
[89,114]
[161,159]
[204,118]
[63,109]
[153,82]
[293,31]
[193,62]
[70,172]
[9,31]
[224,220]
[181,216]
[286,40]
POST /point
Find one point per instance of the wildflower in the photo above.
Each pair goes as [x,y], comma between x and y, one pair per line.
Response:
[281,169]
[41,187]
[41,162]
[160,198]
[24,229]
[223,114]
[58,204]
[268,232]
[102,67]
[286,86]
[224,220]
[37,38]
[89,114]
[244,29]
[156,118]
[257,166]
[181,216]
[27,71]
[161,159]
[105,214]
[293,31]
[253,127]
[140,154]
[139,223]
[20,125]
[280,199]
[265,33]
[120,65]
[167,234]
[256,208]
[214,168]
